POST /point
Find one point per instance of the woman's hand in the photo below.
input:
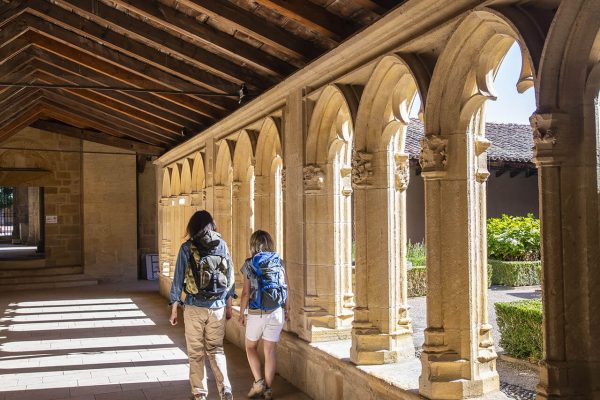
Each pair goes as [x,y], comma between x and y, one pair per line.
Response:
[228,312]
[242,319]
[286,315]
[173,317]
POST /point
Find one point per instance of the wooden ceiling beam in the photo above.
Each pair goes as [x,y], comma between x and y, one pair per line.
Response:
[98,137]
[121,23]
[54,21]
[137,129]
[23,100]
[124,70]
[13,47]
[261,29]
[21,120]
[182,24]
[83,75]
[162,128]
[83,117]
[10,11]
[314,17]
[75,117]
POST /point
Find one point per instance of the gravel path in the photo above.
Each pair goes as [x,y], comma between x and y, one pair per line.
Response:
[517,381]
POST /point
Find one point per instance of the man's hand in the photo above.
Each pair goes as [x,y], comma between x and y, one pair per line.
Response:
[228,312]
[286,314]
[242,319]
[173,317]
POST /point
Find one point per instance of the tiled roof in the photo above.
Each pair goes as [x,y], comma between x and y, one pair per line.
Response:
[510,142]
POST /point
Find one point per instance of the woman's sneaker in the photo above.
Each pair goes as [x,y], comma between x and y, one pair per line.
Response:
[268,394]
[257,389]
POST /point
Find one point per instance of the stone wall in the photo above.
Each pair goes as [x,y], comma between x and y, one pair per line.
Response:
[90,188]
[110,213]
[60,155]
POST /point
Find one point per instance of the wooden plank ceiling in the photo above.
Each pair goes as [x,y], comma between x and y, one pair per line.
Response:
[179,64]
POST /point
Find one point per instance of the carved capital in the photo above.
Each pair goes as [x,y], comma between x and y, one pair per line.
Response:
[204,195]
[362,169]
[481,145]
[401,171]
[545,136]
[313,177]
[434,156]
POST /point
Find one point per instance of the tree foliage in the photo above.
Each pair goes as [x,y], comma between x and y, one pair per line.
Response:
[514,238]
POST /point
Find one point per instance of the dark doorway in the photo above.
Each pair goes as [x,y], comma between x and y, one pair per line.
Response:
[21,222]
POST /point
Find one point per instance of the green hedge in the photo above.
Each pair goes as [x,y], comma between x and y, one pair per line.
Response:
[417,281]
[516,273]
[520,324]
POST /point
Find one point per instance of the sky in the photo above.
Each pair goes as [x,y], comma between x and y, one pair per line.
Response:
[511,106]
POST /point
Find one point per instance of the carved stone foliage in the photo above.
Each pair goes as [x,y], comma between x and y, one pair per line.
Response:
[235,189]
[401,171]
[434,155]
[283,180]
[362,169]
[314,177]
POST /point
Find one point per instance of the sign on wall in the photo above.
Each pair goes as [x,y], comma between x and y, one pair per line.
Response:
[51,219]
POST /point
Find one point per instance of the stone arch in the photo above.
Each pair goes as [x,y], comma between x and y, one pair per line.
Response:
[166,183]
[175,179]
[223,188]
[483,36]
[383,327]
[269,191]
[243,198]
[198,173]
[328,186]
[186,176]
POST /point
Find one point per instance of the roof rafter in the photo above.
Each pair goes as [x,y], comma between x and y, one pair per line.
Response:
[97,137]
[252,26]
[313,16]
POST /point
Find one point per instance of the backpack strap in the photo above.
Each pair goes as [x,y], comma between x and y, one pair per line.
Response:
[194,265]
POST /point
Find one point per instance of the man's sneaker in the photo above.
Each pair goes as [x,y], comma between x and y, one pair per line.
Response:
[198,397]
[268,394]
[257,389]
[227,396]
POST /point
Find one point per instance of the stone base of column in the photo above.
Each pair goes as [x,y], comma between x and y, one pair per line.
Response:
[444,375]
[319,326]
[561,380]
[370,347]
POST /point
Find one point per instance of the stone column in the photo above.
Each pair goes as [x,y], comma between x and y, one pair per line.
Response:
[458,359]
[210,158]
[382,330]
[243,226]
[568,185]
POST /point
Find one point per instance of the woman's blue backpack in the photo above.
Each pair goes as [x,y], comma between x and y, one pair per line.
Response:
[271,292]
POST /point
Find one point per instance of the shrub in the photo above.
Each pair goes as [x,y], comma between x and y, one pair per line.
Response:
[417,281]
[514,238]
[516,273]
[415,253]
[520,324]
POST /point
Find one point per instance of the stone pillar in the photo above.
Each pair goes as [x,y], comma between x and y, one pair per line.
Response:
[210,158]
[568,185]
[295,244]
[382,330]
[243,226]
[458,359]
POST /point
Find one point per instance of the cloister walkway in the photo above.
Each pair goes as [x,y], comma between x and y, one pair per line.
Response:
[108,342]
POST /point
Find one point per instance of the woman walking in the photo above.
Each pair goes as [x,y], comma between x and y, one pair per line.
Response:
[204,271]
[265,296]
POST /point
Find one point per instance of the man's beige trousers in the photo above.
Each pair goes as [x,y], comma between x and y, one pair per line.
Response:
[204,333]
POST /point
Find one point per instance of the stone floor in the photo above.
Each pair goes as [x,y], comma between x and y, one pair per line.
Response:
[108,342]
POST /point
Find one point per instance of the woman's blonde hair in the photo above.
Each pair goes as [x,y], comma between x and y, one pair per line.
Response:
[261,241]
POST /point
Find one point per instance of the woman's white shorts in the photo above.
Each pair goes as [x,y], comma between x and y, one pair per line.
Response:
[266,326]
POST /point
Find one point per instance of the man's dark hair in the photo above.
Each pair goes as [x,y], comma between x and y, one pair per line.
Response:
[200,223]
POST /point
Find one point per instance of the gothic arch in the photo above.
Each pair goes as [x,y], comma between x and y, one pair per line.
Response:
[460,86]
[269,191]
[198,173]
[186,176]
[175,179]
[166,183]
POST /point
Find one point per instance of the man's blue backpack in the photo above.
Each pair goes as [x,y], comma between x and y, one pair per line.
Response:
[271,292]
